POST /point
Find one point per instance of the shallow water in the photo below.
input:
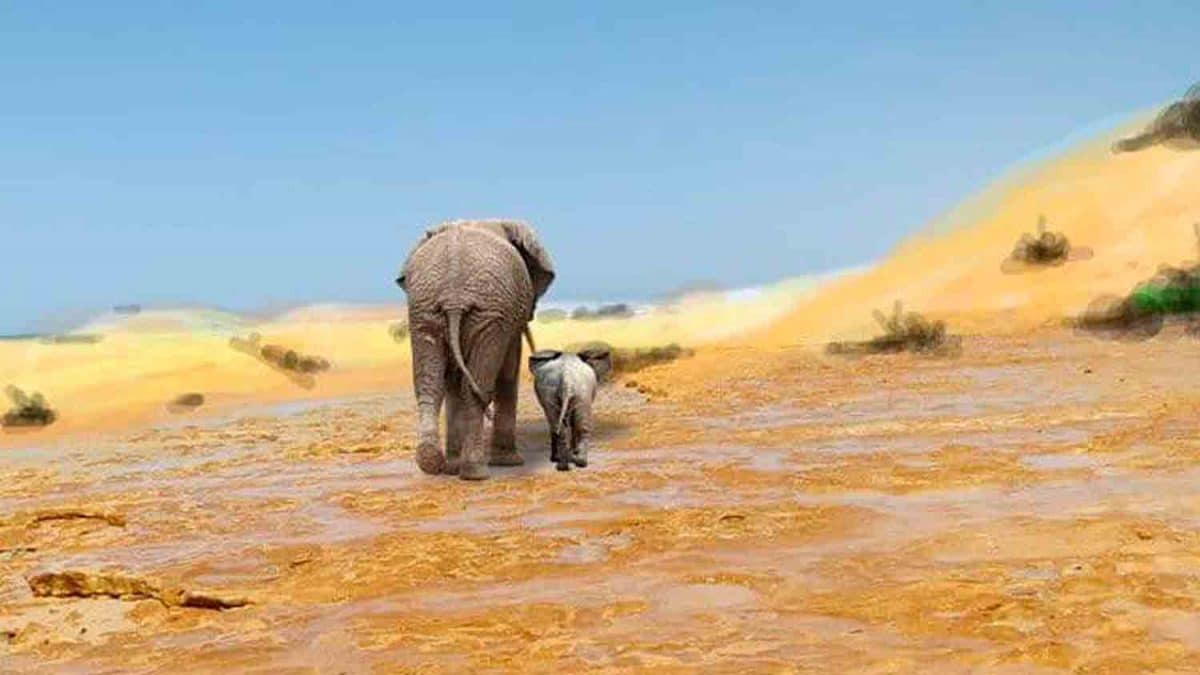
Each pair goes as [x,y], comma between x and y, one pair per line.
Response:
[958,516]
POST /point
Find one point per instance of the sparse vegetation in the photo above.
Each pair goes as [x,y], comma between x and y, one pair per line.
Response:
[1120,317]
[399,330]
[614,311]
[701,287]
[290,359]
[625,360]
[903,332]
[1178,125]
[550,315]
[280,357]
[1042,248]
[27,411]
[71,339]
[1172,290]
[186,402]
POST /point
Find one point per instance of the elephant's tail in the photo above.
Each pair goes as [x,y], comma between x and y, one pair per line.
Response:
[562,412]
[454,321]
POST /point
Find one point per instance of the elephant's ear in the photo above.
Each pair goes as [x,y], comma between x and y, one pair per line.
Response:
[537,260]
[545,355]
[542,356]
[600,360]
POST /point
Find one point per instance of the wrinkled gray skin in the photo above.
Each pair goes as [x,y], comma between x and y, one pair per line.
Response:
[566,385]
[472,289]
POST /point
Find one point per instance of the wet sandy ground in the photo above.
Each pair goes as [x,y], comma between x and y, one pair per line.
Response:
[1031,506]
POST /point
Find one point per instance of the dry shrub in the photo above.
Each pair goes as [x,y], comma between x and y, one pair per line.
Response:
[903,332]
[71,339]
[1043,248]
[186,402]
[1176,126]
[279,356]
[551,315]
[27,411]
[615,311]
[626,360]
[399,330]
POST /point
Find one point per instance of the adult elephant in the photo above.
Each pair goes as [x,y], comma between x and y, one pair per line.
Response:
[472,289]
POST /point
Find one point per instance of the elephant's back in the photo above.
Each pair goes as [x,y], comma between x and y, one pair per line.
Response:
[579,376]
[468,266]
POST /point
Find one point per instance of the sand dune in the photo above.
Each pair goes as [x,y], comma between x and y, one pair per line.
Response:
[1134,210]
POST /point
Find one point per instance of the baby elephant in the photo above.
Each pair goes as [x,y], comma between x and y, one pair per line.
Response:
[566,385]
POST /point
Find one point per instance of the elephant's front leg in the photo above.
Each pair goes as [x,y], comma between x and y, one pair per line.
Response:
[504,425]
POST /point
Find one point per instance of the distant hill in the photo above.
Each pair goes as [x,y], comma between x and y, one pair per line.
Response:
[1134,210]
[702,287]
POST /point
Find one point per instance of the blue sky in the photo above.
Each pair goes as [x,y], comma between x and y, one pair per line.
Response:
[246,155]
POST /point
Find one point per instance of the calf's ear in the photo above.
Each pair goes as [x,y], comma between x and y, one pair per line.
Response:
[599,359]
[543,356]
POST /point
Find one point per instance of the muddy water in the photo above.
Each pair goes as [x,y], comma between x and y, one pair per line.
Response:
[1029,507]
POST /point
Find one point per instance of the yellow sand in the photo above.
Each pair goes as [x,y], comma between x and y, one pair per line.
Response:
[143,363]
[1134,210]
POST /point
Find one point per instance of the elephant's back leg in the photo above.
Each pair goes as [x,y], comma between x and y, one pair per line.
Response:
[504,429]
[581,432]
[562,441]
[454,423]
[486,341]
[429,382]
[551,407]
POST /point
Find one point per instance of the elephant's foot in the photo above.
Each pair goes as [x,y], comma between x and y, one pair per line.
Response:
[473,471]
[506,457]
[430,459]
[580,461]
[452,467]
[563,465]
